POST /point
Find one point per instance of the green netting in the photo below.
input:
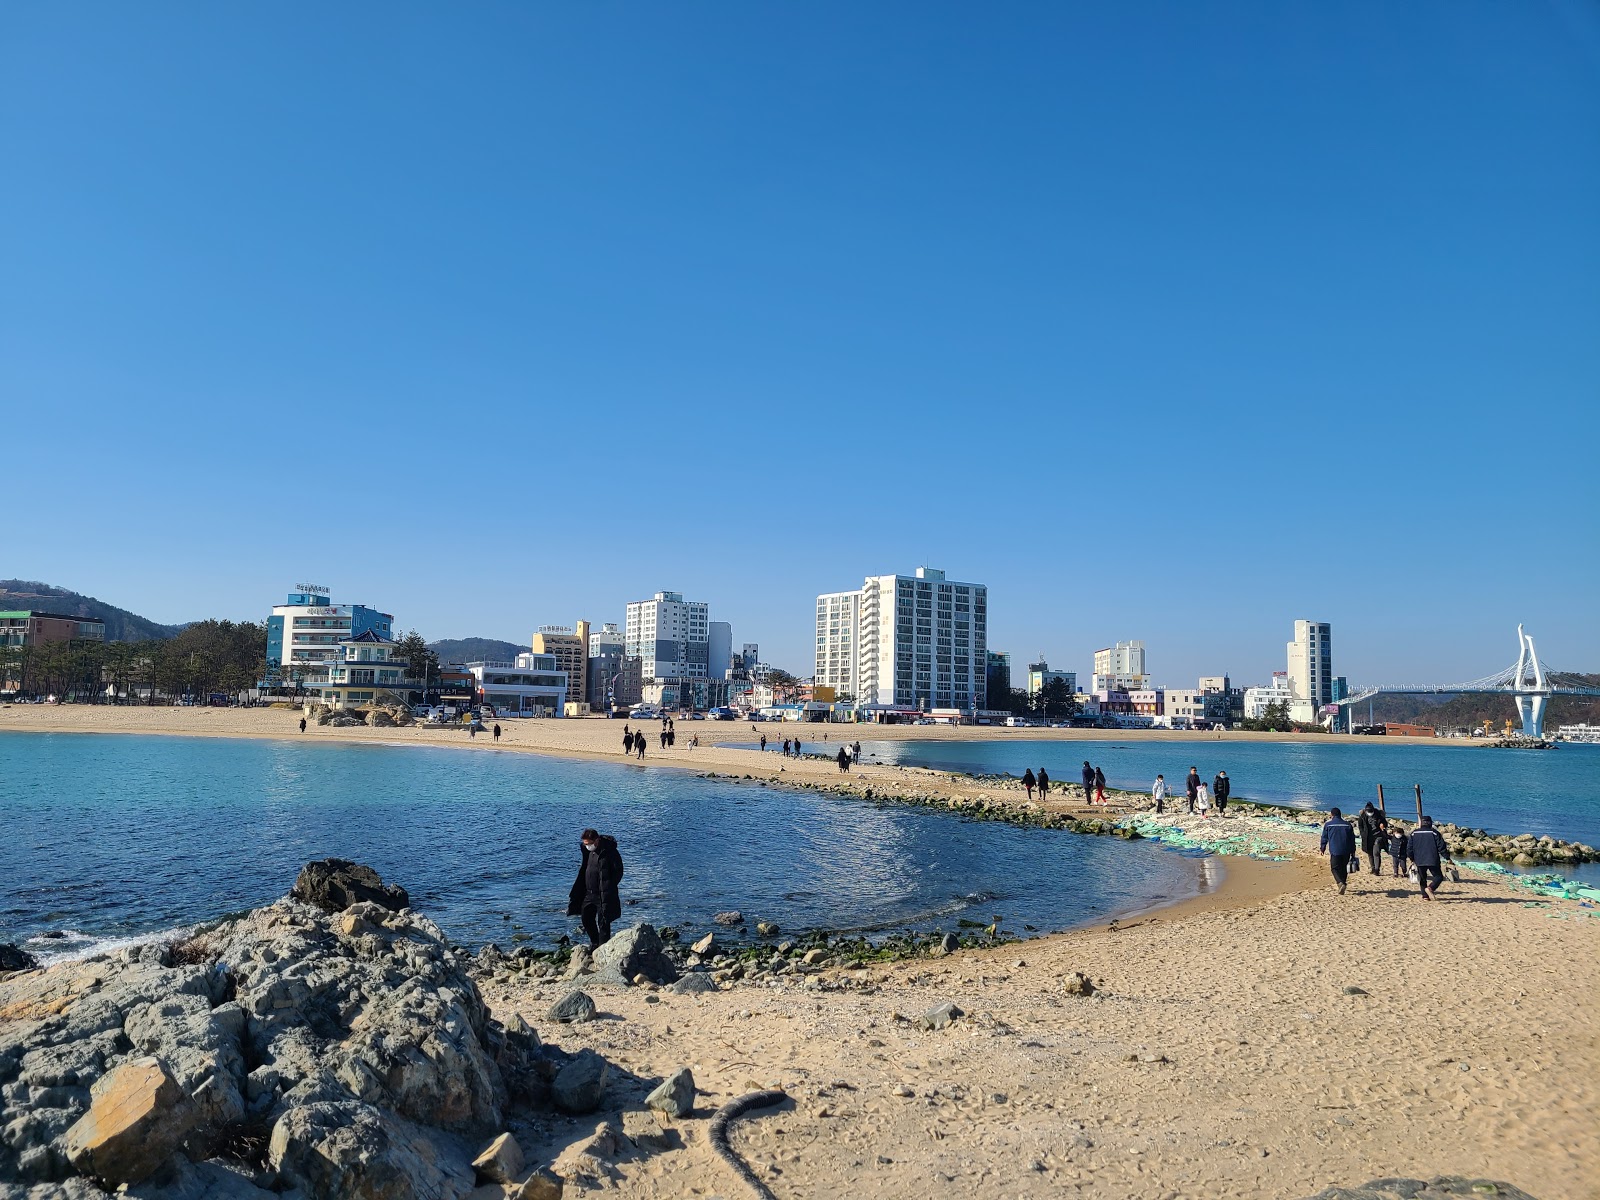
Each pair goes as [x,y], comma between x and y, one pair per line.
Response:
[1557,887]
[1238,844]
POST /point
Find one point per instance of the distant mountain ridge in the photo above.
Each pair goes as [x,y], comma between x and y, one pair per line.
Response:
[121,625]
[465,650]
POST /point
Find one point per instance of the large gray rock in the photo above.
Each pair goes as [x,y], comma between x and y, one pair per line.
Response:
[1437,1188]
[138,1117]
[14,958]
[334,884]
[579,1085]
[675,1095]
[352,1151]
[572,1008]
[635,951]
[184,1180]
[694,983]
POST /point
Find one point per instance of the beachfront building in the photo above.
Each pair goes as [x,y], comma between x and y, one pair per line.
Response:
[1311,671]
[838,663]
[920,642]
[25,627]
[1120,668]
[1149,702]
[998,678]
[1258,699]
[569,646]
[1224,703]
[1040,674]
[365,671]
[304,633]
[719,649]
[607,639]
[669,635]
[531,686]
[1185,707]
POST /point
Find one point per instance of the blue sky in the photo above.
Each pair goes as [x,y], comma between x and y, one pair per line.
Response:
[1166,321]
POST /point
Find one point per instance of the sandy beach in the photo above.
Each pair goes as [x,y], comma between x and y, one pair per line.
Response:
[1269,1039]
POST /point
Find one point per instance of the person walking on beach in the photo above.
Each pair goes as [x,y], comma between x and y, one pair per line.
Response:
[797,747]
[1027,782]
[497,732]
[1202,801]
[627,741]
[638,745]
[763,743]
[1399,849]
[1088,782]
[1220,789]
[1099,786]
[786,747]
[1191,785]
[1369,823]
[1044,783]
[594,897]
[843,759]
[302,724]
[1338,842]
[1159,794]
[1428,851]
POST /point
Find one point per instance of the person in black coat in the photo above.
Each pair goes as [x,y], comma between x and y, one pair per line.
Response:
[1044,783]
[1399,849]
[594,895]
[1220,790]
[1370,822]
[1099,786]
[1191,787]
[1088,782]
[1027,782]
[1428,851]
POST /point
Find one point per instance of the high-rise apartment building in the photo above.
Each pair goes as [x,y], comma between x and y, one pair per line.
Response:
[1311,670]
[917,641]
[998,675]
[839,642]
[1120,668]
[669,635]
[570,648]
[605,640]
[719,649]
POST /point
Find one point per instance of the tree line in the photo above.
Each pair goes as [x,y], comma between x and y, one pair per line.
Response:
[205,657]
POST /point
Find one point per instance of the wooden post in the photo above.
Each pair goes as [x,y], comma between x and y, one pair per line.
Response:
[1419,804]
[1381,808]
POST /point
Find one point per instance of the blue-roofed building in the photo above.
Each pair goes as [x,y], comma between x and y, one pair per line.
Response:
[304,632]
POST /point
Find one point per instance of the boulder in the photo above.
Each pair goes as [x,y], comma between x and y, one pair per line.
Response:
[694,983]
[581,963]
[572,1008]
[941,1016]
[637,950]
[1077,984]
[1440,1187]
[334,884]
[732,917]
[14,958]
[543,1184]
[949,944]
[766,928]
[578,1085]
[138,1116]
[705,947]
[185,1180]
[675,1095]
[501,1161]
[347,1150]
[201,1046]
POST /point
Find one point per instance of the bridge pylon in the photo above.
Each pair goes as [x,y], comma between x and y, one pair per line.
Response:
[1532,695]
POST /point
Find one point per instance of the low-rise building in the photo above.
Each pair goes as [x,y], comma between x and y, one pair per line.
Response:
[21,629]
[365,672]
[1185,707]
[1258,699]
[531,686]
[1040,674]
[1149,702]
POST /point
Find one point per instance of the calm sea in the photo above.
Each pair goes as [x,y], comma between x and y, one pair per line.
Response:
[113,837]
[1555,792]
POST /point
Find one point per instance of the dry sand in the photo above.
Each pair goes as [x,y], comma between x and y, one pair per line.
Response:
[1473,1050]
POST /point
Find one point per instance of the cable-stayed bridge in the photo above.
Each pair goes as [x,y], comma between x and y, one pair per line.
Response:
[1527,681]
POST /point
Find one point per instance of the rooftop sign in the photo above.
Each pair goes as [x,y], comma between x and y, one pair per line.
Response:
[315,588]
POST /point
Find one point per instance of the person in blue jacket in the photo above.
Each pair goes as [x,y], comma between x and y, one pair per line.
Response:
[1339,844]
[1428,851]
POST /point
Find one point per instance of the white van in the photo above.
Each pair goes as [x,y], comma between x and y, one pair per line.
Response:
[1017,722]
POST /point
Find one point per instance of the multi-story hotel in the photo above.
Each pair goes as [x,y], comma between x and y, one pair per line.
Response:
[1311,670]
[1120,668]
[917,642]
[669,635]
[570,648]
[304,632]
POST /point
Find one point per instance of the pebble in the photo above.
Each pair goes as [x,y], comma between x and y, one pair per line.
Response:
[901,1089]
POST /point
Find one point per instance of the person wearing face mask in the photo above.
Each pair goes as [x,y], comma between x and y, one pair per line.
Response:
[594,896]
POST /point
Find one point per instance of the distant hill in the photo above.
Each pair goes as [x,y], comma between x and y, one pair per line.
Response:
[464,650]
[121,625]
[1467,712]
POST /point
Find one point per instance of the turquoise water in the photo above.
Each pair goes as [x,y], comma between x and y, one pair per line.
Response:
[112,837]
[1555,792]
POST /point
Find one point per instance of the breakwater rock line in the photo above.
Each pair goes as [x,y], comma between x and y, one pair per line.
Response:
[294,1050]
[1000,798]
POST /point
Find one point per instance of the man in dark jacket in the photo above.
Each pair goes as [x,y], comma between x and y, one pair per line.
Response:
[1192,787]
[594,895]
[1370,821]
[1220,787]
[1088,782]
[1044,783]
[1428,851]
[1339,844]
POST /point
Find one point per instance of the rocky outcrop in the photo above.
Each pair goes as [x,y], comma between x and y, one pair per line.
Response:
[333,885]
[632,952]
[290,1049]
[1437,1188]
[14,958]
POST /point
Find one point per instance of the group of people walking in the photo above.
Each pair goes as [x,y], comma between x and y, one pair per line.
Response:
[848,756]
[1420,854]
[1198,798]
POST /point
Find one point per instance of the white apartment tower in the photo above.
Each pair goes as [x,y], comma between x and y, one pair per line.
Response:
[1120,668]
[916,641]
[669,635]
[1310,670]
[839,642]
